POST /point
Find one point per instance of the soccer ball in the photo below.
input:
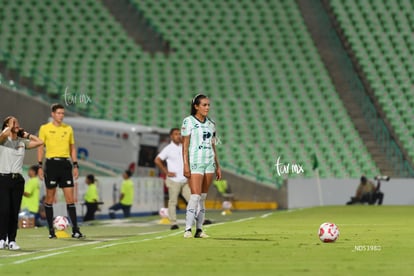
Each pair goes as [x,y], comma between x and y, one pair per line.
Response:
[60,223]
[226,205]
[328,232]
[163,212]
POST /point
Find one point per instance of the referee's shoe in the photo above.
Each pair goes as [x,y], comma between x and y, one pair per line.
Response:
[77,234]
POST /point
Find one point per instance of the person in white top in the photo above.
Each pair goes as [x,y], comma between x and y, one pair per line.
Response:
[176,182]
[13,143]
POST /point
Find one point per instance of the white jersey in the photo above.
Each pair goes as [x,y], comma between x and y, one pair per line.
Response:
[173,154]
[202,135]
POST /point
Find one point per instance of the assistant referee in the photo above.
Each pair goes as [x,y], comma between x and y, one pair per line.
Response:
[59,171]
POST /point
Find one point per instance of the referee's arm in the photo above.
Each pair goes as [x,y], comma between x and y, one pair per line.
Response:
[74,157]
[40,154]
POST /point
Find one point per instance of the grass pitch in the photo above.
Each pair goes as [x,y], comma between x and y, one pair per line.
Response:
[373,240]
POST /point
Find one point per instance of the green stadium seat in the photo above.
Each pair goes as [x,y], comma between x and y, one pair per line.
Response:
[244,70]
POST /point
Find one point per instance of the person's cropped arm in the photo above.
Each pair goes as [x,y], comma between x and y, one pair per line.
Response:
[186,144]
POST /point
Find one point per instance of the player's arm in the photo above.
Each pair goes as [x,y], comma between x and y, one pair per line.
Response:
[40,153]
[122,194]
[74,157]
[218,170]
[27,193]
[28,190]
[186,162]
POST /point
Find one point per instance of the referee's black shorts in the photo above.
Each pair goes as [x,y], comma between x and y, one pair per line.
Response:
[58,173]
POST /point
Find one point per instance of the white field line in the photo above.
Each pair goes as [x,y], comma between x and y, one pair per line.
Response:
[39,257]
[54,249]
[144,240]
[242,220]
[108,245]
[266,215]
[47,250]
[169,235]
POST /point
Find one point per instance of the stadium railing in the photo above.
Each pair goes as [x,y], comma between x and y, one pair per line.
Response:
[384,137]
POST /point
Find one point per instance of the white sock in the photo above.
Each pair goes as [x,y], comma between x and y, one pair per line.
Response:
[191,211]
[201,211]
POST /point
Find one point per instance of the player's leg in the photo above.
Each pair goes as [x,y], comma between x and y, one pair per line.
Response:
[90,211]
[126,209]
[173,193]
[113,209]
[208,178]
[380,197]
[195,183]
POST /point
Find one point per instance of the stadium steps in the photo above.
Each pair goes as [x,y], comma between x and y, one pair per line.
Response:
[343,75]
[137,26]
[378,37]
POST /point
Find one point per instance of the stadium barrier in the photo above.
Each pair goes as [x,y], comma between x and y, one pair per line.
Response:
[302,193]
[148,195]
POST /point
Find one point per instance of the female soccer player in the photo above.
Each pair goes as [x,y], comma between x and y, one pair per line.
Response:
[200,161]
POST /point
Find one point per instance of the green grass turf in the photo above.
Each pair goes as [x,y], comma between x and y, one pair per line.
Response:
[373,240]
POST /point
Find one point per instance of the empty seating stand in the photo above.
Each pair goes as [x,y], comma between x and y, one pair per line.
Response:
[380,33]
[271,95]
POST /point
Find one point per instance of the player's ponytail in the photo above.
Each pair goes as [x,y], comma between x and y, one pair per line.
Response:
[196,101]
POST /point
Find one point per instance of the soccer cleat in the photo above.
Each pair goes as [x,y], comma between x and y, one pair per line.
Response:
[13,246]
[200,234]
[174,227]
[187,234]
[52,234]
[3,244]
[78,235]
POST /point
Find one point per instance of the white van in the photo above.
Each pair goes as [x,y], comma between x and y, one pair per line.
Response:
[118,145]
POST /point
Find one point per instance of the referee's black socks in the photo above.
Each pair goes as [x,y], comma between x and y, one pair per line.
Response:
[49,215]
[71,208]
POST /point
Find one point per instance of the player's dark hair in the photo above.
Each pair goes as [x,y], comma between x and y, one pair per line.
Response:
[34,168]
[56,106]
[6,121]
[91,178]
[196,101]
[174,129]
[128,172]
